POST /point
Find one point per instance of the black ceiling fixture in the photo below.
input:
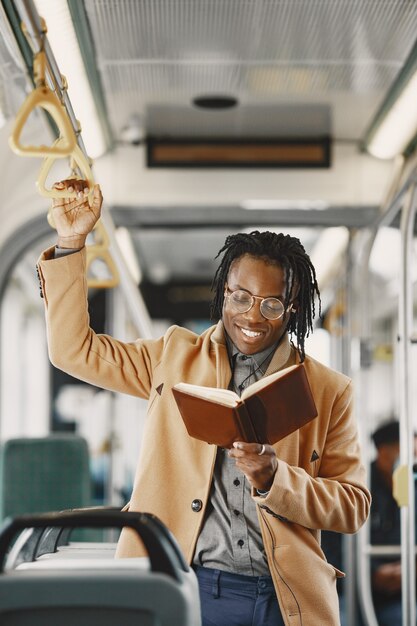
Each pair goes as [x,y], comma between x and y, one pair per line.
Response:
[215,102]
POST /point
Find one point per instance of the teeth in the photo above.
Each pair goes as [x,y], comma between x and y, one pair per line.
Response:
[250,333]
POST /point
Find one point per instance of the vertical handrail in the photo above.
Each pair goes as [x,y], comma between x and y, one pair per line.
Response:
[352,554]
[405,322]
[346,362]
[33,24]
[364,548]
[363,537]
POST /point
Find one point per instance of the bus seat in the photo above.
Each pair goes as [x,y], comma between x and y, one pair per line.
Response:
[160,590]
[44,474]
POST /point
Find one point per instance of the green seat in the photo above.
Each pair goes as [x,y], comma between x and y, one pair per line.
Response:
[44,474]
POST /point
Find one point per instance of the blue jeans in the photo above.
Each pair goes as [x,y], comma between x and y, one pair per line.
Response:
[235,600]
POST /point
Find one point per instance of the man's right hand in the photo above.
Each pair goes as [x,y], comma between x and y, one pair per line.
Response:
[75,218]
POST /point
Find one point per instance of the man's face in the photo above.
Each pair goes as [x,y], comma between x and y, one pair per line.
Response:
[251,332]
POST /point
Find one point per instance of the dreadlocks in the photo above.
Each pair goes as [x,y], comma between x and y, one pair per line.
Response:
[290,255]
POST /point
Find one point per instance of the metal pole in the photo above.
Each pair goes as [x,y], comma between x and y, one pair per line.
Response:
[348,540]
[405,319]
[362,364]
[393,205]
[137,307]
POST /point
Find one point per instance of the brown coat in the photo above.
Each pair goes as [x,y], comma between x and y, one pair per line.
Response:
[320,482]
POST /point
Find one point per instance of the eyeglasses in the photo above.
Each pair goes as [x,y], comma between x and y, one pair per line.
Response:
[242,301]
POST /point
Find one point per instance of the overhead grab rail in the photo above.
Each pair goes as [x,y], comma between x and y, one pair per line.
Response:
[34,29]
[64,146]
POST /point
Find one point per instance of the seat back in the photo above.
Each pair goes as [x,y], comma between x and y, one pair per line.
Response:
[44,474]
[158,591]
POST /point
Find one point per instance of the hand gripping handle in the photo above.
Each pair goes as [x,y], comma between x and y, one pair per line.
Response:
[79,161]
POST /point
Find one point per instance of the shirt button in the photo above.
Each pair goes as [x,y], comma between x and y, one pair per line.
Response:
[236,512]
[241,543]
[196,505]
[236,482]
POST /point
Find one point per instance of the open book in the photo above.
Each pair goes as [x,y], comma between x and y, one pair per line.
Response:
[270,409]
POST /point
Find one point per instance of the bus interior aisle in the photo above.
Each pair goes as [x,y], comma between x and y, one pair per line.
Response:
[199,120]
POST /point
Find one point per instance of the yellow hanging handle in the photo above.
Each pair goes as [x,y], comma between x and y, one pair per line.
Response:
[101,255]
[400,485]
[46,99]
[98,251]
[101,239]
[78,161]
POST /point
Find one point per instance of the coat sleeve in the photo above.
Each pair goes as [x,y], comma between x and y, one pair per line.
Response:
[74,347]
[337,499]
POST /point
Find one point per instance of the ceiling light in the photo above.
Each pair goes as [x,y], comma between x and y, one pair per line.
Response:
[395,124]
[327,253]
[63,41]
[398,127]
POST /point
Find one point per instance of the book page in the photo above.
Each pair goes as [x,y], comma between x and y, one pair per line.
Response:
[266,380]
[222,396]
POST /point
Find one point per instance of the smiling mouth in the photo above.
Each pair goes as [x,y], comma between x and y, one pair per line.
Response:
[250,333]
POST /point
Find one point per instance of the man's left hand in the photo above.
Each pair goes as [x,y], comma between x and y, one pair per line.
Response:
[257,461]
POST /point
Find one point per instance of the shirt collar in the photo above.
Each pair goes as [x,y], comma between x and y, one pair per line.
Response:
[284,355]
[260,358]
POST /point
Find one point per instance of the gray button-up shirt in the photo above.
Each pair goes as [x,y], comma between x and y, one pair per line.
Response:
[230,539]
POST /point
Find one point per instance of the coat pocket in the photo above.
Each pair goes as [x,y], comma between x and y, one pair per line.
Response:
[307,583]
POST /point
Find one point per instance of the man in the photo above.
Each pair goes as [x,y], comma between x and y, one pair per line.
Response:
[249,518]
[386,524]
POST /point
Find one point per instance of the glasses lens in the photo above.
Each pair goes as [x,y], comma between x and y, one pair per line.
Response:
[272,308]
[241,300]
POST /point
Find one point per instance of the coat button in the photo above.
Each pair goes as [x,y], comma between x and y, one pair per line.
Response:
[196,505]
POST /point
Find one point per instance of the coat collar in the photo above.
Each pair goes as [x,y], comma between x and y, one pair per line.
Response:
[218,335]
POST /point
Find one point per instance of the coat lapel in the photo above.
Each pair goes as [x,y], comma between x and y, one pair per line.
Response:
[288,448]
